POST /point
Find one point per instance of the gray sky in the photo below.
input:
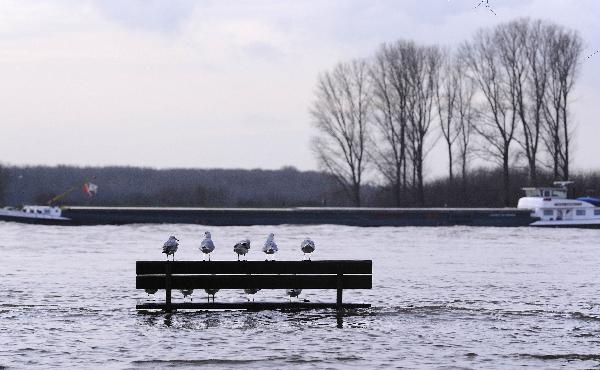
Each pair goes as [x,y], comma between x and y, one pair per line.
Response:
[180,83]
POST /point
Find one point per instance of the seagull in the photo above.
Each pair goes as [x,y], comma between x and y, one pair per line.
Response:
[186,293]
[270,245]
[242,247]
[170,247]
[251,292]
[307,246]
[207,245]
[293,292]
[211,292]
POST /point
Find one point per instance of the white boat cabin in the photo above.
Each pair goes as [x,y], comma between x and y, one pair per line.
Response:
[42,211]
[552,204]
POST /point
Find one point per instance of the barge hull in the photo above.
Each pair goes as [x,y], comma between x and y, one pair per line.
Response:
[498,217]
[37,221]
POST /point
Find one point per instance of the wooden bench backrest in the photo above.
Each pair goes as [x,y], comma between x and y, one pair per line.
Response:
[351,274]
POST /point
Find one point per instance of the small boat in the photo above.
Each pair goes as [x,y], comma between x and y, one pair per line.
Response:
[47,215]
[553,208]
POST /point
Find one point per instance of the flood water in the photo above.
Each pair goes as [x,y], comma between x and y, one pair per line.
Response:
[442,298]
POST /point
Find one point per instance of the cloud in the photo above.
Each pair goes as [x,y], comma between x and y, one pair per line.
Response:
[153,15]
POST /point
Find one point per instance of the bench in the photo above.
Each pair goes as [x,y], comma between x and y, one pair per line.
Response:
[332,274]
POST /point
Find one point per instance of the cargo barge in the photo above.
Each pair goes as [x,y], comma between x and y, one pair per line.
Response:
[501,217]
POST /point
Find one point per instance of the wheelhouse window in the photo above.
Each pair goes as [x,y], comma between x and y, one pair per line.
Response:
[580,212]
[531,192]
[597,212]
[559,193]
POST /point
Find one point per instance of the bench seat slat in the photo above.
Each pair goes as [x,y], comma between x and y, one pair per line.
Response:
[252,306]
[257,267]
[254,281]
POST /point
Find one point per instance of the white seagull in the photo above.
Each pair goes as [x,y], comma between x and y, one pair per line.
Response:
[242,247]
[207,245]
[307,246]
[270,245]
[170,247]
[293,292]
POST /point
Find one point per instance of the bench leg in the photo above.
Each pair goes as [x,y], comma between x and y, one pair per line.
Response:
[340,289]
[168,288]
[340,308]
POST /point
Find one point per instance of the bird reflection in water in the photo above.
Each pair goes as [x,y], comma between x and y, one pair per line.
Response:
[209,292]
[151,293]
[187,293]
[168,321]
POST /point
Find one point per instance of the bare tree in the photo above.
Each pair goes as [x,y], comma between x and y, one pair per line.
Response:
[399,57]
[532,117]
[498,122]
[465,116]
[563,66]
[390,115]
[446,101]
[513,47]
[423,69]
[341,114]
[404,80]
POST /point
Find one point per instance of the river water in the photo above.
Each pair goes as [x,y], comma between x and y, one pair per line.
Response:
[442,298]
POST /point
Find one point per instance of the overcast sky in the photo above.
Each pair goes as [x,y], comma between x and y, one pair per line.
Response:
[180,83]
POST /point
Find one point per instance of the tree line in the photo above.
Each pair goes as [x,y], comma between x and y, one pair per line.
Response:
[503,96]
[286,187]
[135,186]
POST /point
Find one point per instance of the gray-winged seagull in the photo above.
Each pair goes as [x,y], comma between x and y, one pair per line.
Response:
[307,246]
[270,246]
[241,248]
[207,245]
[170,247]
